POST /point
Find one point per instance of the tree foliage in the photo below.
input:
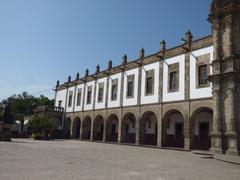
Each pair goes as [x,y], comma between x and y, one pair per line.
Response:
[40,123]
[22,105]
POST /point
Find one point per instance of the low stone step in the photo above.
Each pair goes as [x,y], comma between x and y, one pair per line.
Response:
[199,152]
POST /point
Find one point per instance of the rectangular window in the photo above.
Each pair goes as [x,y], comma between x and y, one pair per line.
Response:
[70,99]
[202,71]
[202,74]
[100,92]
[79,96]
[114,89]
[59,103]
[89,95]
[149,82]
[130,86]
[173,77]
[173,81]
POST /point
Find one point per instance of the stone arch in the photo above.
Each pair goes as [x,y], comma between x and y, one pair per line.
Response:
[148,128]
[86,128]
[76,128]
[98,128]
[67,127]
[173,129]
[200,128]
[112,128]
[128,128]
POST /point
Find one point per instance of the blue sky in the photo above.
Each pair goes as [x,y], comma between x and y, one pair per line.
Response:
[46,40]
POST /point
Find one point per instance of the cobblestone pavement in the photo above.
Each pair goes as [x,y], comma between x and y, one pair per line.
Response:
[71,160]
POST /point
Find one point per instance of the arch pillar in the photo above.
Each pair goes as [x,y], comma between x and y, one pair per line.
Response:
[91,134]
[104,129]
[81,130]
[159,134]
[137,127]
[119,130]
[187,138]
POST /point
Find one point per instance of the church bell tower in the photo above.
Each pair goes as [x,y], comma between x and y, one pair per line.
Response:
[225,19]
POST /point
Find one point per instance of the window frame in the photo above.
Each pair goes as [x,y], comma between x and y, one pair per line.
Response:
[79,97]
[100,86]
[130,79]
[149,74]
[201,61]
[114,85]
[70,99]
[89,98]
[173,68]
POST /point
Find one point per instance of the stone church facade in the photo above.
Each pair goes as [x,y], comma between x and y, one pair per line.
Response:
[184,97]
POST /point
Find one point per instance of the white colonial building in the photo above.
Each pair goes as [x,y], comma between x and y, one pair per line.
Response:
[164,99]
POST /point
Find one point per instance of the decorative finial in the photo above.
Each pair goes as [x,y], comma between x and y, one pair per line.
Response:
[141,53]
[57,84]
[77,76]
[97,69]
[69,79]
[110,64]
[124,59]
[86,73]
[163,45]
[188,37]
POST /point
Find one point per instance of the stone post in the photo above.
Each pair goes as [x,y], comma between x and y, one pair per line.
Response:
[231,129]
[216,141]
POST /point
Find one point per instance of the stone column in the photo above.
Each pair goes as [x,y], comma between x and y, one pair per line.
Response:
[106,101]
[137,130]
[216,141]
[186,127]
[124,62]
[91,133]
[104,129]
[231,129]
[83,104]
[188,40]
[139,94]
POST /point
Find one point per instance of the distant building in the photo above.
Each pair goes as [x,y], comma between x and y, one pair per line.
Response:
[185,97]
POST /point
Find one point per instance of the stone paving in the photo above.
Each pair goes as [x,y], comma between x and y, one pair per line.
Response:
[71,160]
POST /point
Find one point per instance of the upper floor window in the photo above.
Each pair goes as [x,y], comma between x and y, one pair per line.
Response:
[130,86]
[173,77]
[173,81]
[70,97]
[203,75]
[202,70]
[79,97]
[100,92]
[89,94]
[60,103]
[114,89]
[149,85]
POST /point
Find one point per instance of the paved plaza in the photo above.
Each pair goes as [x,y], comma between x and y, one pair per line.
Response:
[71,160]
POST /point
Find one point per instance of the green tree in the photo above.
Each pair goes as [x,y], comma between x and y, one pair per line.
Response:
[40,123]
[7,116]
[22,105]
[44,101]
